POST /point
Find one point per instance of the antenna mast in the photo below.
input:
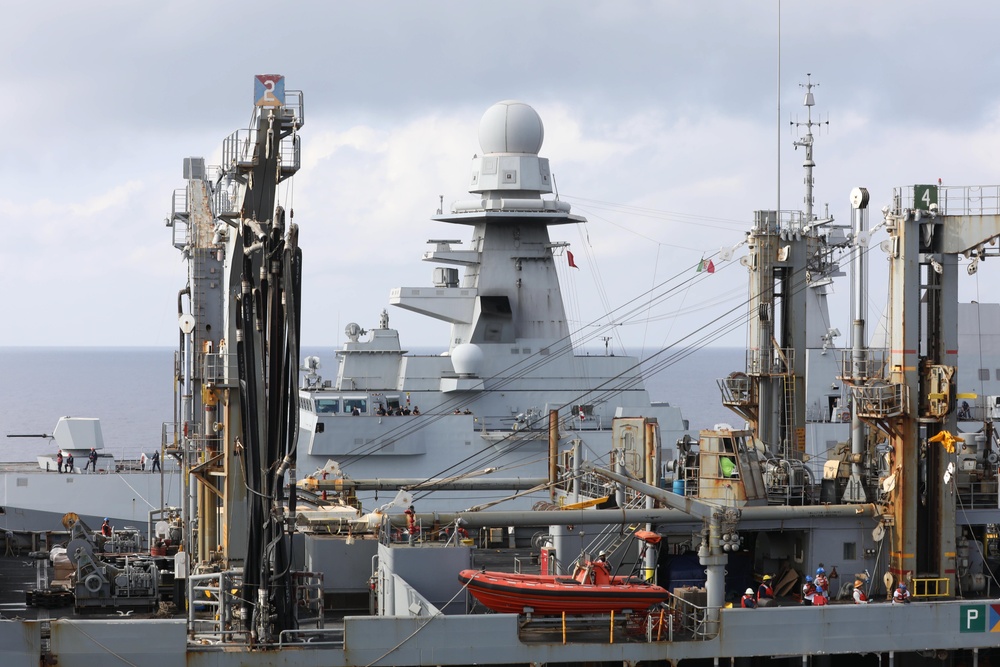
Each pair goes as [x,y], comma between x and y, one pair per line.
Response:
[807,143]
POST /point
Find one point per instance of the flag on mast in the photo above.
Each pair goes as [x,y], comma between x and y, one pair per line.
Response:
[569,256]
[706,266]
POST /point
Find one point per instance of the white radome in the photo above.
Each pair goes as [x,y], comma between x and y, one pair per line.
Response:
[511,127]
[467,359]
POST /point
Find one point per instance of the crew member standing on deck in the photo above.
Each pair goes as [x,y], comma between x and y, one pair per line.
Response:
[859,594]
[69,463]
[156,461]
[142,461]
[59,460]
[821,581]
[765,594]
[901,595]
[808,591]
[91,460]
[106,528]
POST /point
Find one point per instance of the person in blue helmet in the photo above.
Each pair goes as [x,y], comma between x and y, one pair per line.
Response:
[901,595]
[821,581]
[106,527]
[808,591]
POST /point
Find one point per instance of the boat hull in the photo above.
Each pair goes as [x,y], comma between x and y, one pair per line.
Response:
[552,595]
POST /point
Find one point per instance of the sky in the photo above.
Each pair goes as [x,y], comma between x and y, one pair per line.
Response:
[666,125]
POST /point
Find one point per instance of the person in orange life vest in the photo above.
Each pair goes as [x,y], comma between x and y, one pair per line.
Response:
[821,581]
[106,528]
[901,595]
[859,594]
[748,601]
[819,599]
[765,594]
[808,591]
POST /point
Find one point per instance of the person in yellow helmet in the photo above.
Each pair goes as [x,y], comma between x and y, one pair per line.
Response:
[765,594]
[859,593]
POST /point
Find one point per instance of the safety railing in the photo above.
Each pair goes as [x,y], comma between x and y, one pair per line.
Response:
[954,200]
[737,389]
[773,361]
[694,621]
[869,366]
[879,401]
[212,614]
[220,369]
[179,223]
[931,587]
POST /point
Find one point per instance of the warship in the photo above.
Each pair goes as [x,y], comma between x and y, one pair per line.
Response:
[270,544]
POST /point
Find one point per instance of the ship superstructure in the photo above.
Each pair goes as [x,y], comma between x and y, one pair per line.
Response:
[485,400]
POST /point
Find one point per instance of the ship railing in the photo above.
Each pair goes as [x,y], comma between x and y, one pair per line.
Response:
[931,587]
[326,637]
[240,152]
[737,389]
[179,222]
[772,361]
[953,200]
[693,621]
[879,401]
[772,222]
[979,494]
[870,365]
[308,599]
[592,486]
[225,201]
[973,413]
[220,369]
[212,608]
[295,107]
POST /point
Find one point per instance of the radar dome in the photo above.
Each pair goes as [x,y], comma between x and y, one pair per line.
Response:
[467,359]
[511,127]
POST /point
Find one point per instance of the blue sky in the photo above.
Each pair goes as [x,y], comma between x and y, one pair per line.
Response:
[661,120]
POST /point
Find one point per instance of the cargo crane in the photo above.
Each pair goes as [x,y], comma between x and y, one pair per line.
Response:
[236,410]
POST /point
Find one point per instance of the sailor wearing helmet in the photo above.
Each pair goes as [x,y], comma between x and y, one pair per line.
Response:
[765,594]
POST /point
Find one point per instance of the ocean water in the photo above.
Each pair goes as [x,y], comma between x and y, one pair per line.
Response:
[131,390]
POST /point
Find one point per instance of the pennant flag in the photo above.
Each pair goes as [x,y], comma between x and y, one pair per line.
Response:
[569,256]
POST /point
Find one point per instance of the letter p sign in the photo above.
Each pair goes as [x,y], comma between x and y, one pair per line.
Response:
[973,618]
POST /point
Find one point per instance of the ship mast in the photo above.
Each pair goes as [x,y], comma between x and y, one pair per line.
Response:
[786,257]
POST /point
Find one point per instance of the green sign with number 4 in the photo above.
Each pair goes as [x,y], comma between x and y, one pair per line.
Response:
[924,196]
